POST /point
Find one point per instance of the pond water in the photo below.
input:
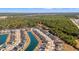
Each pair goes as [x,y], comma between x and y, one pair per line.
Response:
[3,38]
[33,42]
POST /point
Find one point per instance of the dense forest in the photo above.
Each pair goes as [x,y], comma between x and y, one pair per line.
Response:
[61,25]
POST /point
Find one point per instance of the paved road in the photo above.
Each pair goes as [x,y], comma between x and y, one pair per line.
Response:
[50,41]
[73,20]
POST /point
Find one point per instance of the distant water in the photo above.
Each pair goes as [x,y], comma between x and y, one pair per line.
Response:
[3,38]
[33,42]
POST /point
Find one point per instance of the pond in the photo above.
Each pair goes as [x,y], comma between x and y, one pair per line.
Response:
[33,42]
[3,38]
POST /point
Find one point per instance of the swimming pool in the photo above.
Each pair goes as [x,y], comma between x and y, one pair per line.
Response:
[3,38]
[33,42]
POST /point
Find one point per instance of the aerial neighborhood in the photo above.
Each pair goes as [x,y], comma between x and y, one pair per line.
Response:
[38,32]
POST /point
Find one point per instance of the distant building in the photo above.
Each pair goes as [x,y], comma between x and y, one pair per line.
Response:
[3,17]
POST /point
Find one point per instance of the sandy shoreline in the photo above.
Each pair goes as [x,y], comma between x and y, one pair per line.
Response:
[8,39]
[27,40]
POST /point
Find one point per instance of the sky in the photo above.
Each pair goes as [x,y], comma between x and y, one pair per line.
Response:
[38,10]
